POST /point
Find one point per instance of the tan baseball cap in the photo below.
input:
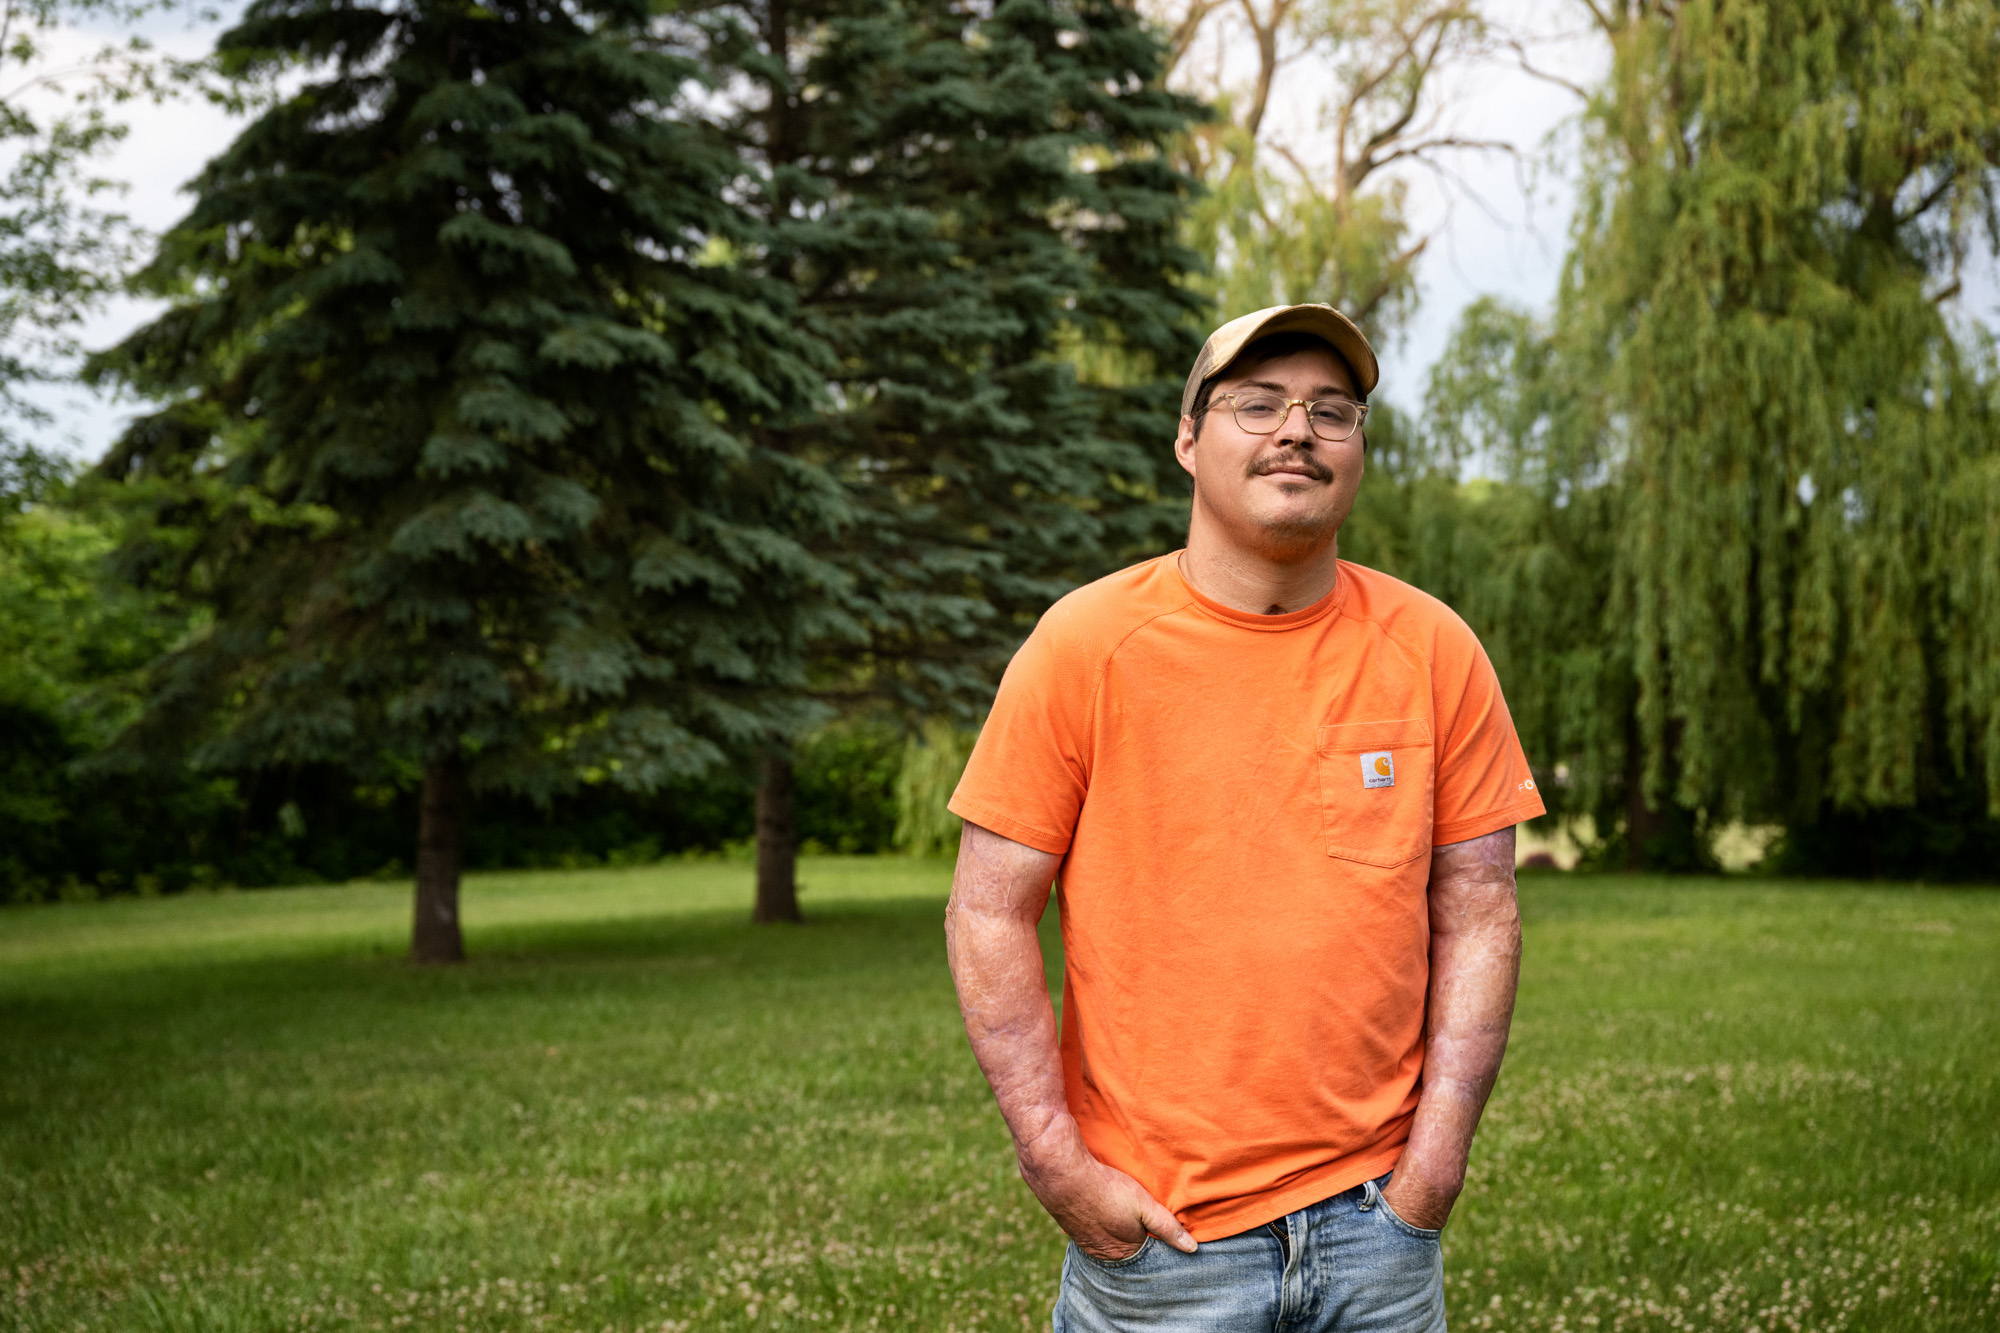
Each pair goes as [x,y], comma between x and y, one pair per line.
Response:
[1228,342]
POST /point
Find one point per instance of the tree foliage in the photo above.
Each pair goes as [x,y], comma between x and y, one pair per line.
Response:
[1753,455]
[1320,212]
[73,646]
[978,219]
[63,250]
[933,762]
[969,209]
[462,441]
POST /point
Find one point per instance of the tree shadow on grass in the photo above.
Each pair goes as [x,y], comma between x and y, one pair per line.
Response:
[110,1030]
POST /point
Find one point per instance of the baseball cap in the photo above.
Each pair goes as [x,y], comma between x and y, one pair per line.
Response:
[1228,342]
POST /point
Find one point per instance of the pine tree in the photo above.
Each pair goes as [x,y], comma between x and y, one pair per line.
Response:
[1754,405]
[463,439]
[980,220]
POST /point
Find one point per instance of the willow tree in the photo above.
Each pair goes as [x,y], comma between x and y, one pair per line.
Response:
[459,429]
[1758,392]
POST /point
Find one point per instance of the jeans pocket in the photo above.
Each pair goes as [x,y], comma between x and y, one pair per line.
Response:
[1375,1200]
[1115,1264]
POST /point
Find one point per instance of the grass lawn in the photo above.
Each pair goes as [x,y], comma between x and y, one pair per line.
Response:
[1730,1104]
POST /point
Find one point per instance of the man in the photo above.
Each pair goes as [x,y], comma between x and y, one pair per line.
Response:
[1281,793]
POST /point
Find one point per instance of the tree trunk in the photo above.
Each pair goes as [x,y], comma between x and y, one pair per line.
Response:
[777,842]
[435,937]
[1644,828]
[1662,840]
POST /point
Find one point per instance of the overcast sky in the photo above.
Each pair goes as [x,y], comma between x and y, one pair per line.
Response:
[1491,235]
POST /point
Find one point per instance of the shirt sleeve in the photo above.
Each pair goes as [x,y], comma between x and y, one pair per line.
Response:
[1031,766]
[1483,780]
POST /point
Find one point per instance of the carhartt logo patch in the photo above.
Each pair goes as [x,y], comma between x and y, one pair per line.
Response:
[1378,769]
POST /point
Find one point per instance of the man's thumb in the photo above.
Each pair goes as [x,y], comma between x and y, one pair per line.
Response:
[1166,1226]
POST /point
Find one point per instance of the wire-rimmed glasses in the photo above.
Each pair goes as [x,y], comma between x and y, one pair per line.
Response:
[1332,419]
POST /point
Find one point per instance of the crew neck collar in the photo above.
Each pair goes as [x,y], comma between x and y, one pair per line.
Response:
[1325,606]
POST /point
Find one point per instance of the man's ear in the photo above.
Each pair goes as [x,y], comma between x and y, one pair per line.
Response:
[1184,445]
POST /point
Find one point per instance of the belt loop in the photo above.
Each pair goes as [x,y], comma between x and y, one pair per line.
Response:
[1369,1194]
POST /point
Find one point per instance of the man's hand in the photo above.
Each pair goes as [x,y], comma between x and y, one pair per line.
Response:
[997,897]
[1418,1202]
[1475,962]
[1106,1212]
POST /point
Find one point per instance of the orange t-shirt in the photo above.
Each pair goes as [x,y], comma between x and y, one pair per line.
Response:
[1246,806]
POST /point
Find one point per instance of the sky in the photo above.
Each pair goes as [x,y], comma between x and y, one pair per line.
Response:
[1500,226]
[1499,222]
[164,148]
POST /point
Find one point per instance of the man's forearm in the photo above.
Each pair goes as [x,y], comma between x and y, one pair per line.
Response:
[996,961]
[1475,965]
[1462,1060]
[997,897]
[995,951]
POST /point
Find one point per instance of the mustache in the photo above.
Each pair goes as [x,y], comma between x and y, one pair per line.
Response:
[1292,462]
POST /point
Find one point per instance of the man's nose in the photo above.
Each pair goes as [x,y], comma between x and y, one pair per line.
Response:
[1297,427]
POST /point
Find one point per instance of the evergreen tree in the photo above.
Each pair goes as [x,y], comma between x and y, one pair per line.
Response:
[1753,406]
[979,217]
[464,439]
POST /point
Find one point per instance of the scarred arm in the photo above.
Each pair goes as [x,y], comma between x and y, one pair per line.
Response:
[1475,964]
[997,897]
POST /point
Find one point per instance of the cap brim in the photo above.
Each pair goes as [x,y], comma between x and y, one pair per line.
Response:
[1323,321]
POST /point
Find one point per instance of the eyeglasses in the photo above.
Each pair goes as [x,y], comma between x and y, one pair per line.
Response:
[1332,419]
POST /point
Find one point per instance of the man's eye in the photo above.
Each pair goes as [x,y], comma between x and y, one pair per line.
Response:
[1333,416]
[1259,410]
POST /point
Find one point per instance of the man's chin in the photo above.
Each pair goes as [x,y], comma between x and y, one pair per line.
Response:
[1280,522]
[1297,528]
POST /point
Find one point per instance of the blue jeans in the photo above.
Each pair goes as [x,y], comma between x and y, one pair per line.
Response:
[1343,1265]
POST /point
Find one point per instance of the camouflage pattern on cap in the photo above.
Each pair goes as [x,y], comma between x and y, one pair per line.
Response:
[1227,343]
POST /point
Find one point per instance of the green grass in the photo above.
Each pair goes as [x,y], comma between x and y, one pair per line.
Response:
[1729,1105]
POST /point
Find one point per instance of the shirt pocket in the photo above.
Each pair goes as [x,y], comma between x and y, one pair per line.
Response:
[1375,785]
